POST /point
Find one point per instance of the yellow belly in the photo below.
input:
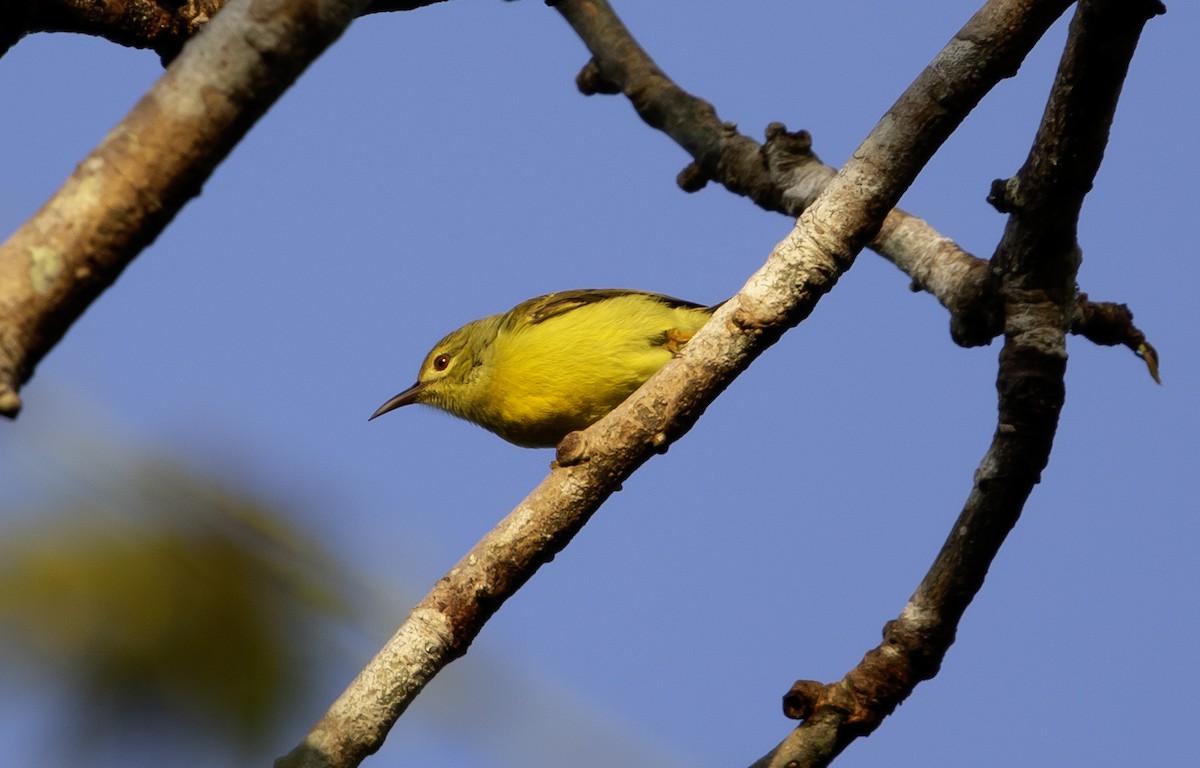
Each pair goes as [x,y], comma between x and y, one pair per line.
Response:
[563,374]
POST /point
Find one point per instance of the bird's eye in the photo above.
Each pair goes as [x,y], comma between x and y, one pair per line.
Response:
[440,362]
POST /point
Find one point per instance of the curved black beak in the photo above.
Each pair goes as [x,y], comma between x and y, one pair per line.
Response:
[407,397]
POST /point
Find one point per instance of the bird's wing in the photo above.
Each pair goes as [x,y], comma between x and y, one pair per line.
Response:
[553,304]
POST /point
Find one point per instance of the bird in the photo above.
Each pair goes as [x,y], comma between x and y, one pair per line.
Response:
[553,364]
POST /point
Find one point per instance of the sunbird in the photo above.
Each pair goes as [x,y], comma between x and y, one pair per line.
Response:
[553,364]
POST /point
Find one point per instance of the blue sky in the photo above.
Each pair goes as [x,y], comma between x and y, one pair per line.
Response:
[437,166]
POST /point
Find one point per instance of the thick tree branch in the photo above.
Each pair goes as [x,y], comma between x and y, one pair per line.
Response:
[783,174]
[160,25]
[593,463]
[123,194]
[1036,263]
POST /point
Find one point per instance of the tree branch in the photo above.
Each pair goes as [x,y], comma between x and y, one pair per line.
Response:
[592,464]
[1036,263]
[784,175]
[1111,324]
[131,185]
[163,26]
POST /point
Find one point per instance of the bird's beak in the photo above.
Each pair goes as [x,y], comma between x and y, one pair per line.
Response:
[407,397]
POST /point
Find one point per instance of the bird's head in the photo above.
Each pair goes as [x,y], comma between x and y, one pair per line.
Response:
[449,377]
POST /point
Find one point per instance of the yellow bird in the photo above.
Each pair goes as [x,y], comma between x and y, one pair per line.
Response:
[553,364]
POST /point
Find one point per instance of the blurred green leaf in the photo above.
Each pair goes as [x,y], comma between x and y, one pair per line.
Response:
[168,599]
